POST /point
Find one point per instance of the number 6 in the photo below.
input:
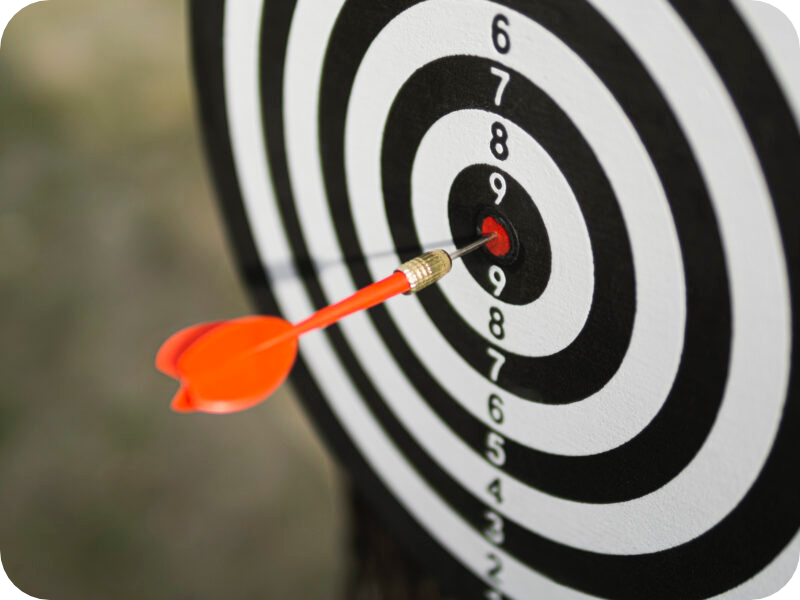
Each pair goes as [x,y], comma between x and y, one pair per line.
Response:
[500,38]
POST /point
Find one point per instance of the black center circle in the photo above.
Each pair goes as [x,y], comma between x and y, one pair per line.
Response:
[471,200]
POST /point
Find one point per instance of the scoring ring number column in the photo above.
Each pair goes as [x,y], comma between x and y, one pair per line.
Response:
[495,453]
[498,145]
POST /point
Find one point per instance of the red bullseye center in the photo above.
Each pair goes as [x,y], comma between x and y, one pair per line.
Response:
[501,245]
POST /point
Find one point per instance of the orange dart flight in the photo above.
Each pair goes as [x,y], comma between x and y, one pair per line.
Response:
[230,366]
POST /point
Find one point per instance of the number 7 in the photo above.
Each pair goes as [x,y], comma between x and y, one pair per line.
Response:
[499,361]
[504,79]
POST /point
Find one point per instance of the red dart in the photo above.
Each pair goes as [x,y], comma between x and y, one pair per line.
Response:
[230,366]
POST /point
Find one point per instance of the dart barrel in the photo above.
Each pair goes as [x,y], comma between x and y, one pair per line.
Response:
[425,270]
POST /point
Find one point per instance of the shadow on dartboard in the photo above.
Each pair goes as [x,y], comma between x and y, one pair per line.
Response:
[613,413]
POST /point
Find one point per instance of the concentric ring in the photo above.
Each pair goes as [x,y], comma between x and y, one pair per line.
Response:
[421,488]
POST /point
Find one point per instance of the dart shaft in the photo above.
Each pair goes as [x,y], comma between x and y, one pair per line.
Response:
[370,296]
[226,367]
[410,277]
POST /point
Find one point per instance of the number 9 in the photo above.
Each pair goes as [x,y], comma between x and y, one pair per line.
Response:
[498,184]
[498,278]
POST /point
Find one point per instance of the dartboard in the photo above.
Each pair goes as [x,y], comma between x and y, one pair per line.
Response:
[611,409]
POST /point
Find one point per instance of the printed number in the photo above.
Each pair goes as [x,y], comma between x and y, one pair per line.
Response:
[498,184]
[497,566]
[495,449]
[498,277]
[499,143]
[494,532]
[494,490]
[496,323]
[499,361]
[500,37]
[505,77]
[496,408]
[493,595]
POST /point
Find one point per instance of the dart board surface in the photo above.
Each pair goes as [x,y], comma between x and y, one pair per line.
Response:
[613,411]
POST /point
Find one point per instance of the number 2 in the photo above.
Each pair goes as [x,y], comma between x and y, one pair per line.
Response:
[497,566]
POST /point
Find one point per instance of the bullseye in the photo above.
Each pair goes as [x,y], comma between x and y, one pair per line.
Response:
[501,246]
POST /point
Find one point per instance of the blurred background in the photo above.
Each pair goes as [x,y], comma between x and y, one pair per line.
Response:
[110,240]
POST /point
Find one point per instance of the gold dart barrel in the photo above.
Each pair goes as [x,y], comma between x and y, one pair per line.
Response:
[430,267]
[426,269]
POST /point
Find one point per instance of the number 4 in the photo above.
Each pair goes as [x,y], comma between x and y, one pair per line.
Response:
[504,79]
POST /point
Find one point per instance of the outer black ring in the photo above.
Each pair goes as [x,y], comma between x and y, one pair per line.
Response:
[768,517]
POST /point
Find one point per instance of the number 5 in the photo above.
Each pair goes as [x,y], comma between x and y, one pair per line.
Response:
[495,449]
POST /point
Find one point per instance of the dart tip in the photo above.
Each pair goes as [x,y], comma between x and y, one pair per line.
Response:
[486,239]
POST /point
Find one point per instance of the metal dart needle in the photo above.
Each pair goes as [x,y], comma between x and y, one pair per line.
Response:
[472,247]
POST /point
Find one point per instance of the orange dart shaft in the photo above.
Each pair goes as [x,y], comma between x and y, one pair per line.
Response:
[365,298]
[412,276]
